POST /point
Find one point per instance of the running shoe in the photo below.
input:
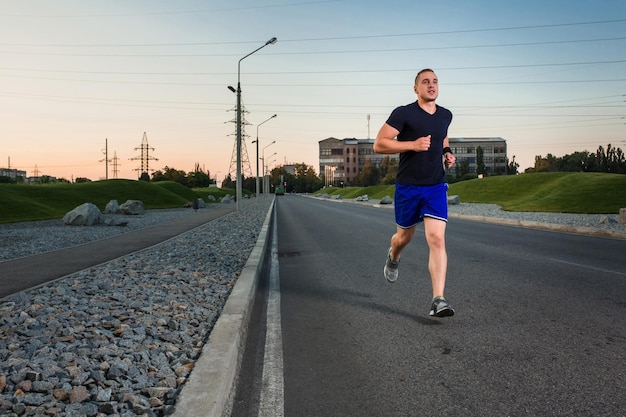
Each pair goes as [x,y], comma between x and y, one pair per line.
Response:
[391,268]
[441,308]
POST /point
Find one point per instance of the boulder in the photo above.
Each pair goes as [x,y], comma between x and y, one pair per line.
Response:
[608,220]
[84,215]
[211,197]
[227,199]
[363,197]
[132,207]
[112,207]
[454,199]
[386,200]
[622,216]
[115,222]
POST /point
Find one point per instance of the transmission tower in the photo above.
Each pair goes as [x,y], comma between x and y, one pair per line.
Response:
[116,164]
[246,169]
[145,156]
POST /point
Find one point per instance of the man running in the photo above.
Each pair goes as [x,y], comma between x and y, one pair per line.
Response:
[419,133]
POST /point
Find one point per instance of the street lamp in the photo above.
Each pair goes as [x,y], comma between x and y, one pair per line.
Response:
[264,187]
[266,180]
[238,188]
[257,153]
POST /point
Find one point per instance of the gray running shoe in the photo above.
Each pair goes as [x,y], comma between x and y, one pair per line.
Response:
[441,308]
[391,268]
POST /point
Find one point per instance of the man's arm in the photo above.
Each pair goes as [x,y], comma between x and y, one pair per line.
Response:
[449,158]
[387,144]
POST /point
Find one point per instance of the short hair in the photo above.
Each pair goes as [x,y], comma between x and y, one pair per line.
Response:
[421,72]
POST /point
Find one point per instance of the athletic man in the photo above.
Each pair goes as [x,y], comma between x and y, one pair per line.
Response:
[419,132]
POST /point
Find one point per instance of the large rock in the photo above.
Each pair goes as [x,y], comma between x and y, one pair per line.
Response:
[112,207]
[84,215]
[227,199]
[454,199]
[132,207]
[622,216]
[363,197]
[386,200]
[199,203]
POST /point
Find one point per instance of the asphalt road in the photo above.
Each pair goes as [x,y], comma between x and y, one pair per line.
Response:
[540,328]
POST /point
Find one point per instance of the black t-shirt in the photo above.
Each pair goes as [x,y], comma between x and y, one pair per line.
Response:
[421,168]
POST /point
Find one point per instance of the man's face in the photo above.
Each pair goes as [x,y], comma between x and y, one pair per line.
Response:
[427,87]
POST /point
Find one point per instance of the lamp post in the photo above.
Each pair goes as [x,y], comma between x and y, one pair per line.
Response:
[264,187]
[257,153]
[238,187]
[266,180]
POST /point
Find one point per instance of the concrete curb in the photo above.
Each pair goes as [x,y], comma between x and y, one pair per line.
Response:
[210,389]
[589,231]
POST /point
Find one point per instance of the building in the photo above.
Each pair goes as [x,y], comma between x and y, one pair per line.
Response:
[494,154]
[341,160]
[14,174]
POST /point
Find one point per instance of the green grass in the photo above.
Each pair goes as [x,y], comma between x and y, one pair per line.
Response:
[547,192]
[41,202]
[559,192]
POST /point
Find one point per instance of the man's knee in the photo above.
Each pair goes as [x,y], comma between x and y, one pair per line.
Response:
[404,236]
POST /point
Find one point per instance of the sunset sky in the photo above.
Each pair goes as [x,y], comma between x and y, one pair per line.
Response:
[548,76]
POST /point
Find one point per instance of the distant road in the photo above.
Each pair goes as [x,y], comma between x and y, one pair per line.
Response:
[540,328]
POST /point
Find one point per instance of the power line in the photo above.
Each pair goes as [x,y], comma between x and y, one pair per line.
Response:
[335,38]
[174,12]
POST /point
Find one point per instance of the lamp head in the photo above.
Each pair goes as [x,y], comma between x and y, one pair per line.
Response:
[231,88]
[271,41]
[274,116]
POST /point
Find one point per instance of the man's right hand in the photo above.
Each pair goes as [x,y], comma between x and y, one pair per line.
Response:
[422,144]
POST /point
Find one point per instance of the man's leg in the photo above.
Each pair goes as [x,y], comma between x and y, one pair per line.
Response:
[399,240]
[435,231]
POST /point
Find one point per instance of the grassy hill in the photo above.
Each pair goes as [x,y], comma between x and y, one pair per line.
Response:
[548,192]
[559,192]
[40,202]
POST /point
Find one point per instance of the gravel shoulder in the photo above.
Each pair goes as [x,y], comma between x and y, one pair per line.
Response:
[120,338]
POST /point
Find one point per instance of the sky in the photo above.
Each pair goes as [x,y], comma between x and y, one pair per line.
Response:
[78,78]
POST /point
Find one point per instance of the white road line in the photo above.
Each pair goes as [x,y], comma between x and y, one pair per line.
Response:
[272,385]
[593,268]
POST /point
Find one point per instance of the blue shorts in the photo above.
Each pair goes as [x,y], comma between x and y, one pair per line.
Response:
[414,202]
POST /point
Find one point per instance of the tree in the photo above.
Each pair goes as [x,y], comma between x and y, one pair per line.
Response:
[369,175]
[462,168]
[610,160]
[480,161]
[198,178]
[228,182]
[512,166]
[305,179]
[388,170]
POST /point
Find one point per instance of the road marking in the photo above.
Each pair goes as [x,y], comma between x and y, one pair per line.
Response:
[272,383]
[587,266]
